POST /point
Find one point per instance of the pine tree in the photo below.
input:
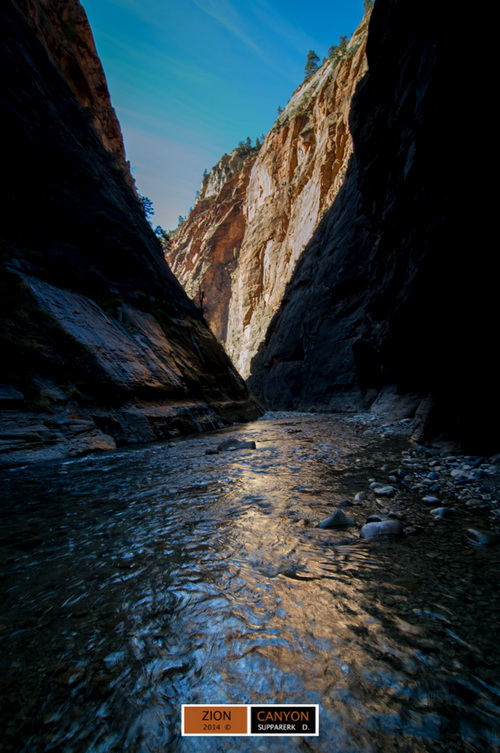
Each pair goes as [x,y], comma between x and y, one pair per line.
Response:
[147,206]
[312,63]
[343,41]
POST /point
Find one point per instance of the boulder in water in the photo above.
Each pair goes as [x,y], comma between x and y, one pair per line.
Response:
[337,520]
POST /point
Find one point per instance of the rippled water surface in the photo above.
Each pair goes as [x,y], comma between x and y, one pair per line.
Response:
[139,580]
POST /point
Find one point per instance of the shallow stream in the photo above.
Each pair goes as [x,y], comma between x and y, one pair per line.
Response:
[138,580]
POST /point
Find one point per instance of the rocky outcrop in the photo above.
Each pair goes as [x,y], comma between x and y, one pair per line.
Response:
[100,345]
[241,243]
[384,309]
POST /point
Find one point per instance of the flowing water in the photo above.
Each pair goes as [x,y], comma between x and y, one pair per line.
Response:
[139,580]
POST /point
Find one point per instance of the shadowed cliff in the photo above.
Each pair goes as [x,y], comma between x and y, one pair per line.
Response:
[385,309]
[100,345]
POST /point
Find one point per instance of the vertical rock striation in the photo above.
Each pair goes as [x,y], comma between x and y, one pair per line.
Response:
[100,345]
[206,249]
[243,239]
[384,308]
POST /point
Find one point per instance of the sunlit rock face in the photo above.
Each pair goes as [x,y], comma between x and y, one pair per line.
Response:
[100,345]
[383,305]
[240,245]
[206,250]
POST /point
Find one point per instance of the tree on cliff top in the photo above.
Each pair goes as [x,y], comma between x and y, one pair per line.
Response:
[312,63]
[147,206]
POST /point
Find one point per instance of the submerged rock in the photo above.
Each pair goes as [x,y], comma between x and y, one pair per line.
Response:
[236,444]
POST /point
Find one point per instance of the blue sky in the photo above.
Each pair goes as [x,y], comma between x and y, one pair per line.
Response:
[189,79]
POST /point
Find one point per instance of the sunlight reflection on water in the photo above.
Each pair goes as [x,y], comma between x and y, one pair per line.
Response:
[143,579]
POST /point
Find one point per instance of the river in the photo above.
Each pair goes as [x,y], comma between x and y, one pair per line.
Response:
[139,580]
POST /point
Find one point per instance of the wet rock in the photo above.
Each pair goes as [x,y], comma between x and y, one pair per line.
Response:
[445,512]
[482,538]
[345,503]
[236,444]
[374,519]
[360,497]
[337,520]
[383,491]
[480,504]
[381,528]
[429,500]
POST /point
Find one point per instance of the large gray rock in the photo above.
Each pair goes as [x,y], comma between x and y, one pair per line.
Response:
[382,528]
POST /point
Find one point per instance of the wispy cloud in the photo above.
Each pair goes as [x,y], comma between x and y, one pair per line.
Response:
[225,13]
[293,37]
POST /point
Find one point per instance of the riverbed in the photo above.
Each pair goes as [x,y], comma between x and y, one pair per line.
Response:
[139,580]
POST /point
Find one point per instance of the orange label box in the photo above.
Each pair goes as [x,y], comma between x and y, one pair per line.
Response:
[215,720]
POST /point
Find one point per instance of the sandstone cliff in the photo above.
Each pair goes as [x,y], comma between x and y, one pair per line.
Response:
[385,308]
[63,28]
[100,345]
[241,243]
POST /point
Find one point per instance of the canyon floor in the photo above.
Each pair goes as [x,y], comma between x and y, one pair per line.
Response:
[182,572]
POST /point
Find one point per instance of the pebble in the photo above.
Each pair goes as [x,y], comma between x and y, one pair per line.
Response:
[478,503]
[431,500]
[338,519]
[381,528]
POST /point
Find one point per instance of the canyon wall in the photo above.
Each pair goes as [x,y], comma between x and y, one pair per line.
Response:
[387,308]
[63,29]
[100,345]
[258,209]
